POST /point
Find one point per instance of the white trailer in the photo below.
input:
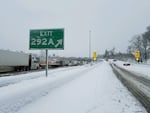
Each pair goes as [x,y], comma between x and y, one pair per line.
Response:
[17,61]
[10,58]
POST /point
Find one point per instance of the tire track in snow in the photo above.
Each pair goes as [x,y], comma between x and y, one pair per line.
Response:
[139,86]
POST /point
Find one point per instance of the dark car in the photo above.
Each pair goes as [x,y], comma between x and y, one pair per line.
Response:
[126,64]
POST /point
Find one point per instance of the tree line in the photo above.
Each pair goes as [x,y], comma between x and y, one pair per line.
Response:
[141,42]
[112,54]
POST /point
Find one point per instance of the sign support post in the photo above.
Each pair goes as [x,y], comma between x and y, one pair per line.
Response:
[47,39]
[46,62]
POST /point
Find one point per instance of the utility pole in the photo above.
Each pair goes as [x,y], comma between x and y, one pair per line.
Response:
[90,45]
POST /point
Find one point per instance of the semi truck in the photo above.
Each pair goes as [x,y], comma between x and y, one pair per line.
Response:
[17,61]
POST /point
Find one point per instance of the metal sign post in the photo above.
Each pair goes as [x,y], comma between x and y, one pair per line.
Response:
[46,62]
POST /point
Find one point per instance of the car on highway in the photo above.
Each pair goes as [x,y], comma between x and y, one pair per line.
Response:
[126,64]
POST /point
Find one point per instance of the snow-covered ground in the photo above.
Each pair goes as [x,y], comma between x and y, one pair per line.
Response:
[142,69]
[7,80]
[83,89]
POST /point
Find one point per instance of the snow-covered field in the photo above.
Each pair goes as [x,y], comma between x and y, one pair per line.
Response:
[82,89]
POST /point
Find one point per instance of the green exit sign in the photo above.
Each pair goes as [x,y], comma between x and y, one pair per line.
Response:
[46,39]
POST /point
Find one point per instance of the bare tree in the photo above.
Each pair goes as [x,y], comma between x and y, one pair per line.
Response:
[135,44]
[146,43]
[106,54]
[140,43]
[112,52]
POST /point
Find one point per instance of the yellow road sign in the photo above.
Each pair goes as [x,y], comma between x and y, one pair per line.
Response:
[94,59]
[137,59]
[94,56]
[137,54]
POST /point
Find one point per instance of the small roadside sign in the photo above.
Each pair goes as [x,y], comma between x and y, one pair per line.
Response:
[137,54]
[94,56]
[137,59]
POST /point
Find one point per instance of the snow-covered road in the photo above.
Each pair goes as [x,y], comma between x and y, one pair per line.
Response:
[84,89]
[142,69]
[136,83]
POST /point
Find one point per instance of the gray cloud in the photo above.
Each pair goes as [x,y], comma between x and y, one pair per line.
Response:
[112,22]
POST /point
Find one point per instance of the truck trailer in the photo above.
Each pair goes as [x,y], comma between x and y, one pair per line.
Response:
[17,61]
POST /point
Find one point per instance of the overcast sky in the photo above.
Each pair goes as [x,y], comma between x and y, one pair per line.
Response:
[112,23]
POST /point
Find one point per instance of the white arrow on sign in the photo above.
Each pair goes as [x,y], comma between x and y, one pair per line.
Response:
[59,42]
